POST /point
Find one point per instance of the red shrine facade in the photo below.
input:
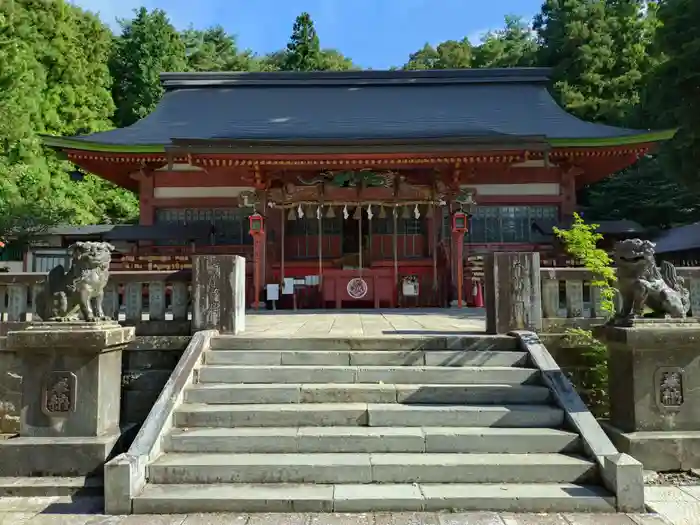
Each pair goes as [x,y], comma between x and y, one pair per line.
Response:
[357,189]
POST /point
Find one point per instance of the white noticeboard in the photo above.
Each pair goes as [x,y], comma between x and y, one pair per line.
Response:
[273,292]
[410,287]
[288,287]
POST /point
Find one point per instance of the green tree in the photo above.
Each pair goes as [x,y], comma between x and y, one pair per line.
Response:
[304,49]
[334,60]
[148,46]
[645,192]
[331,60]
[673,93]
[27,201]
[22,84]
[596,48]
[513,46]
[580,241]
[451,54]
[214,50]
[53,79]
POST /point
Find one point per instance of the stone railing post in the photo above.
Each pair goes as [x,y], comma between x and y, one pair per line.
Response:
[513,292]
[218,289]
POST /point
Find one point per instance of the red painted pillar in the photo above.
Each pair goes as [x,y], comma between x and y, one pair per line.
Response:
[146,196]
[258,245]
[459,239]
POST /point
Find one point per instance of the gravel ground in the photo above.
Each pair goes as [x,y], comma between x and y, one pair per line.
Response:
[672,478]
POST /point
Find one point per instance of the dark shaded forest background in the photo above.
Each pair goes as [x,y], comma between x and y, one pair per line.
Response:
[627,63]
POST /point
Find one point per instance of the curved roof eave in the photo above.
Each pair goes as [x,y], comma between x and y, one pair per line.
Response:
[81,144]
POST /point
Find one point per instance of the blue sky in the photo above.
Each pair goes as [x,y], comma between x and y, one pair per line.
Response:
[374,33]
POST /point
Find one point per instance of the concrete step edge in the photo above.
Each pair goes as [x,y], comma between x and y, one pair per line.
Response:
[350,459]
[419,393]
[427,368]
[340,386]
[345,439]
[387,351]
[453,358]
[205,432]
[251,498]
[45,486]
[334,407]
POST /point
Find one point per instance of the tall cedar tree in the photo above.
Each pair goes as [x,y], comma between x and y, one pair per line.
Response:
[674,89]
[215,50]
[451,54]
[148,46]
[304,49]
[576,42]
[513,46]
[598,51]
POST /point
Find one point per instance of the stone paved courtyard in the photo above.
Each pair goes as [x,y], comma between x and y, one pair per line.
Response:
[365,323]
[675,505]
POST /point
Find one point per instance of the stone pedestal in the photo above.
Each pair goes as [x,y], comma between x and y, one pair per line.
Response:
[71,393]
[654,369]
[513,292]
[218,290]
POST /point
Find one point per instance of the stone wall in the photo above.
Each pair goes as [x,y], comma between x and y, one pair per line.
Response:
[580,369]
[10,391]
[146,366]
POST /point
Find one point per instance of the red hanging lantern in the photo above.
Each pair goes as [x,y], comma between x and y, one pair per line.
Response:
[460,222]
[257,225]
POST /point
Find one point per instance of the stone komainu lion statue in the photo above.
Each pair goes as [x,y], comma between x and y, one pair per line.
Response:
[642,284]
[68,296]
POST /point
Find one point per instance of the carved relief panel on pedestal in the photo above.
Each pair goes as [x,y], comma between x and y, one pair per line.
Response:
[59,391]
[669,388]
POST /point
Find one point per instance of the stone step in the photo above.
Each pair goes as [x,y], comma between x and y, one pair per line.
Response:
[215,393]
[363,414]
[368,374]
[370,468]
[46,486]
[366,358]
[331,344]
[372,440]
[552,498]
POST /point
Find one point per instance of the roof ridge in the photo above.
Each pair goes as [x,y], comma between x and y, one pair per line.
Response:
[173,81]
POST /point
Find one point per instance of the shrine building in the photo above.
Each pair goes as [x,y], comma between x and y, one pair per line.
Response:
[363,189]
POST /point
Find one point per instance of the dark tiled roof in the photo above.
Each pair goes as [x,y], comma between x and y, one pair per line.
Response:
[679,239]
[489,104]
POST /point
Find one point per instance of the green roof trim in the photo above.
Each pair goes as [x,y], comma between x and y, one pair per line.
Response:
[98,147]
[652,136]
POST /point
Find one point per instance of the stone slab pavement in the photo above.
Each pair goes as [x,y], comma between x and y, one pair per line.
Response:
[365,323]
[681,506]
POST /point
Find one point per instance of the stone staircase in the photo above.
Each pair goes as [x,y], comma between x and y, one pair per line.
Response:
[318,425]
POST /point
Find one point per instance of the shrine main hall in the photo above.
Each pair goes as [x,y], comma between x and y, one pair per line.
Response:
[356,189]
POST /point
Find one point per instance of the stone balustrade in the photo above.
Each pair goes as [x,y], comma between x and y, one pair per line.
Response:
[131,297]
[569,299]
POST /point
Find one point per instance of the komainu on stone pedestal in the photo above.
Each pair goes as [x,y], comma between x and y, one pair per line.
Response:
[77,293]
[643,285]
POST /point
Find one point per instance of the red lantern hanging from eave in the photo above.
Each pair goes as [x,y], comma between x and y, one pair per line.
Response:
[257,224]
[460,222]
